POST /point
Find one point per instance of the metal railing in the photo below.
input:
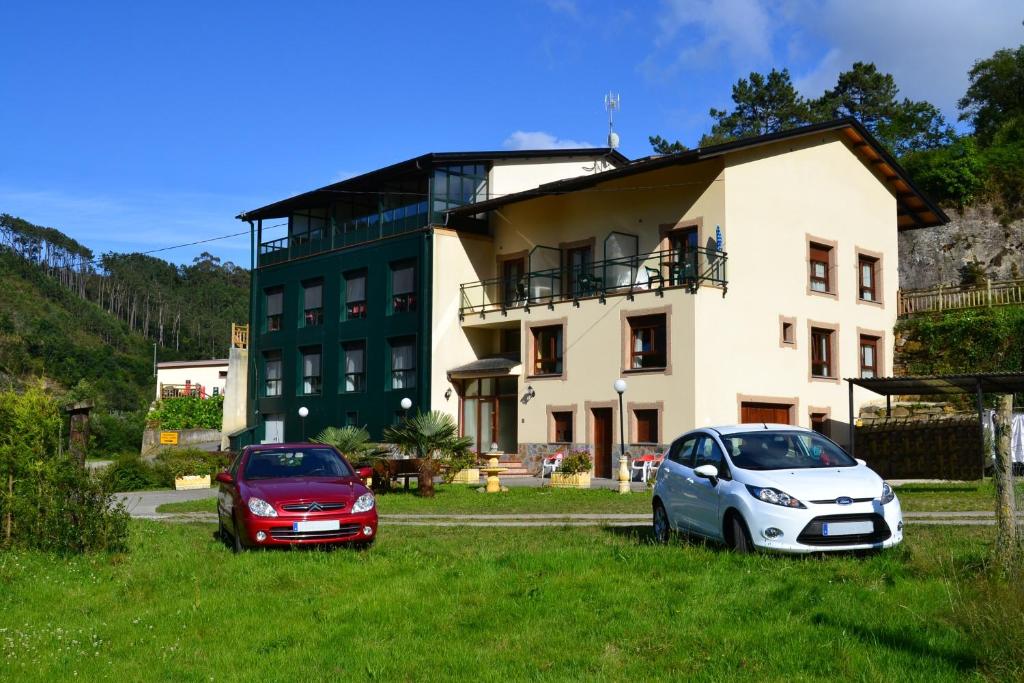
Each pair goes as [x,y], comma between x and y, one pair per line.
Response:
[942,298]
[240,336]
[626,275]
[376,226]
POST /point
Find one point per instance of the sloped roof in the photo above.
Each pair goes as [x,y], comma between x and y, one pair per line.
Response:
[915,209]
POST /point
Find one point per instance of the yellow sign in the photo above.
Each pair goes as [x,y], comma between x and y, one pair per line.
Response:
[169,438]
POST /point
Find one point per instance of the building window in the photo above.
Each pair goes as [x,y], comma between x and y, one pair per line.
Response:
[403,364]
[311,374]
[868,356]
[547,350]
[646,425]
[867,269]
[822,362]
[820,423]
[455,186]
[647,342]
[313,303]
[355,294]
[351,419]
[562,420]
[821,268]
[355,366]
[275,308]
[787,332]
[272,379]
[308,224]
[403,288]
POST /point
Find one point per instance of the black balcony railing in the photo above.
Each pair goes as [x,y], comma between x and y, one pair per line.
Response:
[626,275]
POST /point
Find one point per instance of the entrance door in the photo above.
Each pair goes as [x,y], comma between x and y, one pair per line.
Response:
[602,442]
[273,428]
[778,413]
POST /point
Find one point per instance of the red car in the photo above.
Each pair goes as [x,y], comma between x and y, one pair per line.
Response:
[294,493]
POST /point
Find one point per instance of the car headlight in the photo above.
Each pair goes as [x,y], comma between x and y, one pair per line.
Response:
[887,493]
[364,503]
[775,497]
[261,508]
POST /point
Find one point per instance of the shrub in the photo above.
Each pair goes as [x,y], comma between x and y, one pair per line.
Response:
[576,462]
[180,462]
[116,432]
[353,442]
[188,412]
[131,473]
[456,463]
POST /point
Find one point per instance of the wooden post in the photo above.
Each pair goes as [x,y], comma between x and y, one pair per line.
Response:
[988,289]
[940,297]
[1006,523]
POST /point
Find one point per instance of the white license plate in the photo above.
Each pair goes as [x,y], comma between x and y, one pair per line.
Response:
[846,528]
[325,525]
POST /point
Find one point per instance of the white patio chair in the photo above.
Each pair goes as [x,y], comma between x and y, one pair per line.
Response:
[550,464]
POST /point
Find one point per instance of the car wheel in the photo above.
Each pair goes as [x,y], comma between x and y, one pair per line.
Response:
[741,542]
[222,533]
[364,545]
[236,538]
[662,530]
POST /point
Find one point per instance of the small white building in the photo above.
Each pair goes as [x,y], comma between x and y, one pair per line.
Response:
[202,378]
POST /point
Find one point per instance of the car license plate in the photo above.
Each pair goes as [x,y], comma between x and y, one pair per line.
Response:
[324,525]
[846,528]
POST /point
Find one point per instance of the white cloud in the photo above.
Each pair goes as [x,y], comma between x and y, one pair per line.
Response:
[538,139]
[698,31]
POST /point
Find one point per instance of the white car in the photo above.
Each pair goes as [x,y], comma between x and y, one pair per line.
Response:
[773,487]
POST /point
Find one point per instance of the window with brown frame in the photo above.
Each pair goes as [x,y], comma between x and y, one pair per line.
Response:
[867,269]
[820,258]
[821,352]
[562,420]
[647,342]
[646,425]
[788,333]
[547,350]
[819,423]
[868,356]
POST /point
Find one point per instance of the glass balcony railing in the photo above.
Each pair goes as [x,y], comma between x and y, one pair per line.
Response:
[625,275]
[346,233]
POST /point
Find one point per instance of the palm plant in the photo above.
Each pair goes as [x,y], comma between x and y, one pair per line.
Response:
[433,438]
[353,442]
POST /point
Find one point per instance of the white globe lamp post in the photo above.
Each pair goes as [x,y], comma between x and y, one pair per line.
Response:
[620,389]
[303,413]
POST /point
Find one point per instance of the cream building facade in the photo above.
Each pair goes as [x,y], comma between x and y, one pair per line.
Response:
[734,283]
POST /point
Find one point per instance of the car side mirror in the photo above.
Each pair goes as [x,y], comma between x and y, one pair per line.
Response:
[365,472]
[225,477]
[707,472]
[862,463]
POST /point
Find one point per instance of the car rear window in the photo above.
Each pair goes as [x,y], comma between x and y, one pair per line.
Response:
[779,450]
[304,462]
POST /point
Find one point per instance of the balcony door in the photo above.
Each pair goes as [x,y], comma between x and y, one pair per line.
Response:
[682,247]
[513,281]
[579,271]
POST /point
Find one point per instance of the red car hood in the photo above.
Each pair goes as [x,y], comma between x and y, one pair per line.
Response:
[305,489]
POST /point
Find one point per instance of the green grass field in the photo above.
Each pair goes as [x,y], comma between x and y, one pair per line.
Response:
[465,499]
[488,604]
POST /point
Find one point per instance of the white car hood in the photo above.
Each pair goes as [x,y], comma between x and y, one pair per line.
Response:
[827,483]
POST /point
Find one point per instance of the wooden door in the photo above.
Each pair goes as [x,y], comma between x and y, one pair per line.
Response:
[778,413]
[602,442]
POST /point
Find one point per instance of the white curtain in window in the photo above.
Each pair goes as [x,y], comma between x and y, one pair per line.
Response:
[273,369]
[354,357]
[402,359]
[311,365]
[355,289]
[402,280]
[275,300]
[314,296]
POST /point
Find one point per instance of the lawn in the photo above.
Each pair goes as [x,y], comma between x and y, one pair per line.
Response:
[489,604]
[465,499]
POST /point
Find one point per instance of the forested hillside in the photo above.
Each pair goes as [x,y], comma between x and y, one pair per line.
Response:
[86,326]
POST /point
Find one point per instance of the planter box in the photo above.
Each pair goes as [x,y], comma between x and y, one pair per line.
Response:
[192,481]
[560,480]
[470,475]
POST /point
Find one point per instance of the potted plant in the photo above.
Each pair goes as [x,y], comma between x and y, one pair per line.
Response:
[185,471]
[574,472]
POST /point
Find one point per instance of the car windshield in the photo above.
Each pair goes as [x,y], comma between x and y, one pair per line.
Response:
[305,462]
[777,450]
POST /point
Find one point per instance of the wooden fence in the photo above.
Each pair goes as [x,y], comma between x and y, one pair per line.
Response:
[240,336]
[913,301]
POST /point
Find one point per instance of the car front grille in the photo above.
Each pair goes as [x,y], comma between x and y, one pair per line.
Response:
[305,507]
[832,501]
[285,533]
[812,533]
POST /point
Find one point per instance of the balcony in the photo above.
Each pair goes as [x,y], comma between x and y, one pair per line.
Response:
[621,276]
[347,233]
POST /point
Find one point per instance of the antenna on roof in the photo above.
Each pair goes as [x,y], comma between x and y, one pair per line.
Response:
[612,104]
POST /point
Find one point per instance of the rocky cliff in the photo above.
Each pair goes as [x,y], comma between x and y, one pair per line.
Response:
[933,256]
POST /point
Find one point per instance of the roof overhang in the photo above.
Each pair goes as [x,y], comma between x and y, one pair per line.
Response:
[371,181]
[936,385]
[498,366]
[914,208]
[215,363]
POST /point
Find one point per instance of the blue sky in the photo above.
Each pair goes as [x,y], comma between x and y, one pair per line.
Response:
[134,126]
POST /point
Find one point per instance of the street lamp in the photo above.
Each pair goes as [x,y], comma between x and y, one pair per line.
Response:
[406,404]
[303,412]
[620,389]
